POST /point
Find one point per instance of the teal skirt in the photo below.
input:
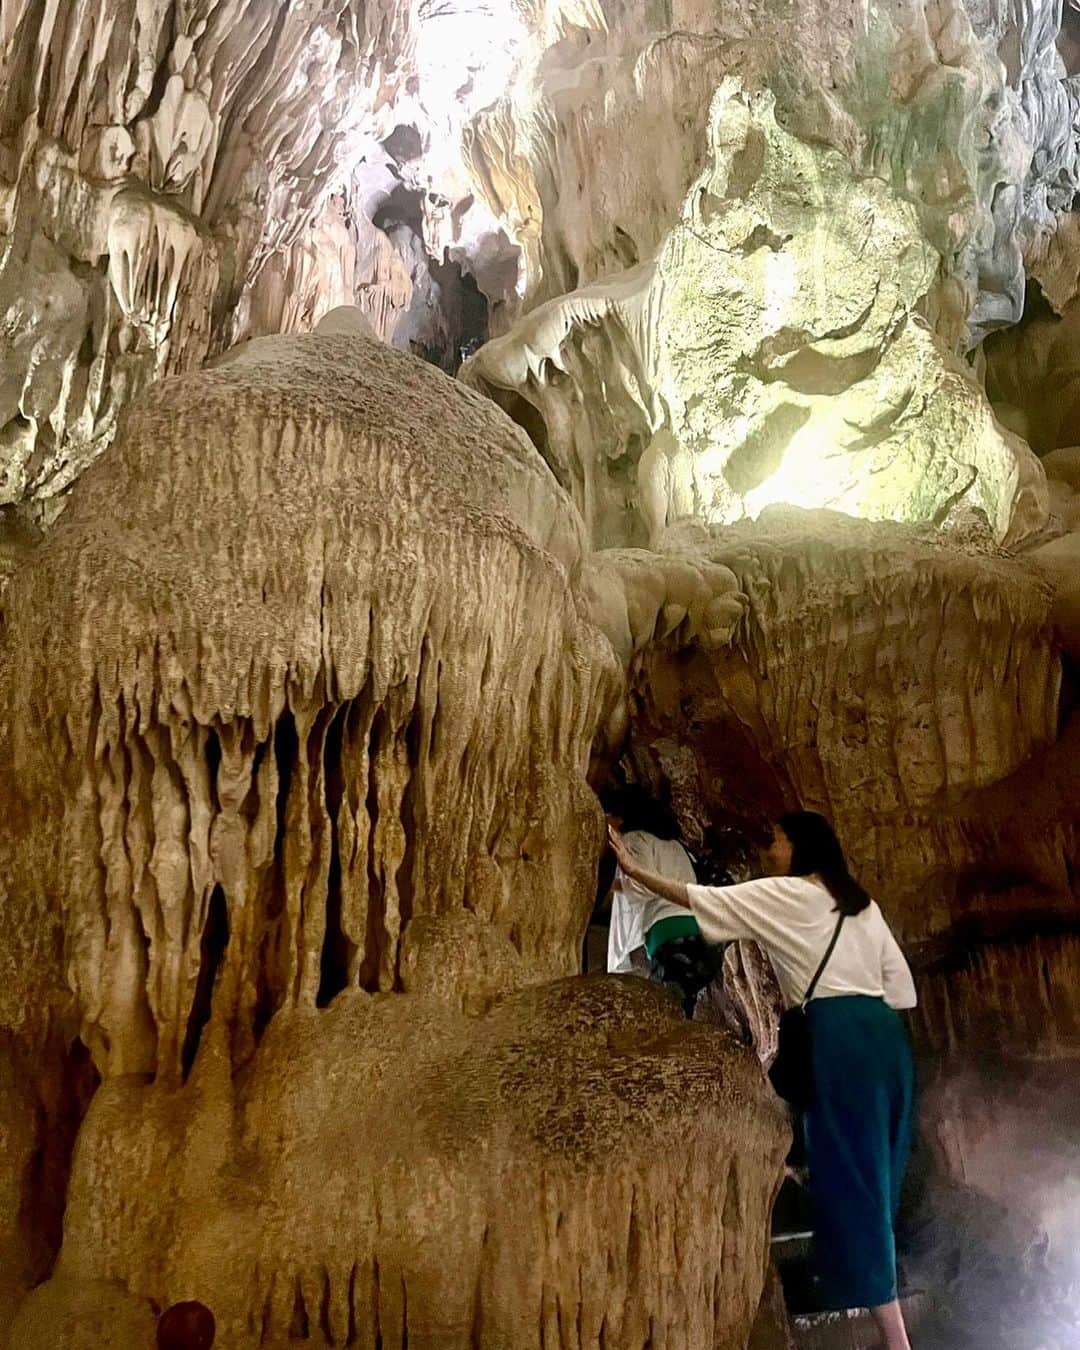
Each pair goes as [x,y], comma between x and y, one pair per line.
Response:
[858,1137]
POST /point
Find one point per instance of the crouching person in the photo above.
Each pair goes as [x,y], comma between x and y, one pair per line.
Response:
[645,928]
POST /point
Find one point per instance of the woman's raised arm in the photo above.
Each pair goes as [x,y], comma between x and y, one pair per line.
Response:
[675,891]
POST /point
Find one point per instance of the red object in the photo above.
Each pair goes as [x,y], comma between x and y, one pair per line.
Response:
[186,1326]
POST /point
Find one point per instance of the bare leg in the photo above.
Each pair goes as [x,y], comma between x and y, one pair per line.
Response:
[890,1322]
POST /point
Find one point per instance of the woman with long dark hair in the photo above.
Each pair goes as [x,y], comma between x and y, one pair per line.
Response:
[858,1121]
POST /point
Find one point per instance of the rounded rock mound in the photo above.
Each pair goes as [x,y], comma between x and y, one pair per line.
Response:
[579,1166]
[303,658]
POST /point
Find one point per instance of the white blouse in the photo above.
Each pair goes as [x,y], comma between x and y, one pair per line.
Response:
[634,909]
[793,918]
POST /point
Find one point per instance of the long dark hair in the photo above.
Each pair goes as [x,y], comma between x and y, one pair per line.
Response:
[815,848]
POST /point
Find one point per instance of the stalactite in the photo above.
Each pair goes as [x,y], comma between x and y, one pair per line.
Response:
[268,714]
[867,678]
[154,159]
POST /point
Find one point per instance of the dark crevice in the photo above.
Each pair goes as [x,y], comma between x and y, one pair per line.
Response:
[215,939]
[476,1331]
[269,990]
[213,765]
[404,1316]
[337,951]
[414,749]
[462,307]
[404,144]
[466,309]
[16,102]
[960,948]
[300,1328]
[404,206]
[60,1112]
[162,74]
[625,248]
[286,755]
[324,1310]
[350,1335]
[1069,692]
[87,353]
[376,929]
[375,1303]
[762,237]
[531,421]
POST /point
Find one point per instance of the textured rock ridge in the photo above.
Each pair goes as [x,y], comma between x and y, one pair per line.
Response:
[152,157]
[868,679]
[576,1168]
[271,713]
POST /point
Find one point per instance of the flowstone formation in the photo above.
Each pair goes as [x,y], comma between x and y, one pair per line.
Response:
[297,793]
[771,352]
[882,676]
[271,733]
[780,314]
[575,1168]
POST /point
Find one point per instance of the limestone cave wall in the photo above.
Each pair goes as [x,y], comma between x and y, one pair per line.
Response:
[175,178]
[759,485]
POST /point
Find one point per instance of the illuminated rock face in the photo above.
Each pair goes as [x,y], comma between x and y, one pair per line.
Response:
[161,204]
[173,181]
[770,351]
[589,155]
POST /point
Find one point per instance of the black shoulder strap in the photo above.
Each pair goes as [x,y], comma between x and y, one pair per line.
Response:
[825,959]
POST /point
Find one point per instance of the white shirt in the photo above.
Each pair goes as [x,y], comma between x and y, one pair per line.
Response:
[793,918]
[634,909]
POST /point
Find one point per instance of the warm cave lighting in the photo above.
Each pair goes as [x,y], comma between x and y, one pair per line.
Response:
[801,479]
[465,51]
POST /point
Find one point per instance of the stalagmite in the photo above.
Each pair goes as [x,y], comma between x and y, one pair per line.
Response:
[312,720]
[576,1168]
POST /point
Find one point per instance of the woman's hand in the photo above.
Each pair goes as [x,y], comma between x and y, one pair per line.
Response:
[623,855]
[675,891]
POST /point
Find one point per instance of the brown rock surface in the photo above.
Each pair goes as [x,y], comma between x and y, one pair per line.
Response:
[326,672]
[1061,558]
[577,1167]
[867,679]
[300,699]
